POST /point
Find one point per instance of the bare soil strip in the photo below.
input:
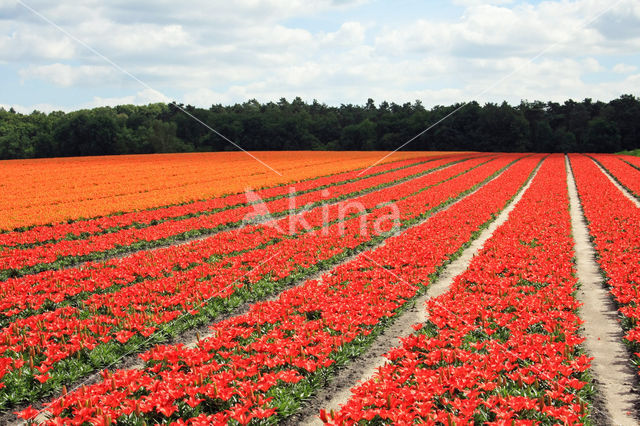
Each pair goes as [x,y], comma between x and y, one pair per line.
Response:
[338,391]
[610,367]
[613,180]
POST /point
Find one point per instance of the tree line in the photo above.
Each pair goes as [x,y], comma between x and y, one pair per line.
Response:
[572,126]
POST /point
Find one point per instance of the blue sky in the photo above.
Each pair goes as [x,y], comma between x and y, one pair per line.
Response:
[336,51]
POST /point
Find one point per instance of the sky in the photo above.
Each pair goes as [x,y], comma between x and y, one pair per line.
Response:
[67,55]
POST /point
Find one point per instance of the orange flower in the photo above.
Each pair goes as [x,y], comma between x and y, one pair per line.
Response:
[41,191]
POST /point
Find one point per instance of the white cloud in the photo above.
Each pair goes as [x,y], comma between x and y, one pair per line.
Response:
[66,75]
[488,30]
[349,34]
[143,38]
[145,96]
[35,46]
[624,68]
[480,2]
[224,52]
[23,109]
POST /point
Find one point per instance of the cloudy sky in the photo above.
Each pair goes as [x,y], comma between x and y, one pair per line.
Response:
[71,54]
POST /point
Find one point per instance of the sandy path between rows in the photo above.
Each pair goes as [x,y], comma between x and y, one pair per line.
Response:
[610,367]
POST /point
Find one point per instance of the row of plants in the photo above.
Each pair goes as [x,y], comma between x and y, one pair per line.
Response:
[614,225]
[259,366]
[79,229]
[64,344]
[25,296]
[633,160]
[502,346]
[623,173]
[15,262]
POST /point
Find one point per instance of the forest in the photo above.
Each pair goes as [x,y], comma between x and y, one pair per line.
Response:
[537,126]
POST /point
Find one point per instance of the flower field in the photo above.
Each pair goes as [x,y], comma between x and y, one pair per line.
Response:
[38,192]
[173,294]
[503,343]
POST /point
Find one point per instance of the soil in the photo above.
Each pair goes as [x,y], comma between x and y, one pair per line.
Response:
[616,383]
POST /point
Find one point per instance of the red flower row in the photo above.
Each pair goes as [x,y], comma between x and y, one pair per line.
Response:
[635,161]
[229,375]
[627,175]
[33,291]
[614,224]
[139,308]
[18,258]
[99,225]
[502,345]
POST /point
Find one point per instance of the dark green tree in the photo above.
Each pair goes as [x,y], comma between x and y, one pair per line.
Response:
[602,136]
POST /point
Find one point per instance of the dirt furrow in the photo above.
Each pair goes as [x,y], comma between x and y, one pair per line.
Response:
[610,367]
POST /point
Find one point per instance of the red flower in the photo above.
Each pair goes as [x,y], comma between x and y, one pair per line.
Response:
[41,377]
[28,413]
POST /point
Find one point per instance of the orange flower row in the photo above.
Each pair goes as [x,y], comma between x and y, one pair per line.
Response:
[36,192]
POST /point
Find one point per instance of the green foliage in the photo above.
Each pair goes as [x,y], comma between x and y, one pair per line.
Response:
[635,152]
[603,136]
[585,126]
